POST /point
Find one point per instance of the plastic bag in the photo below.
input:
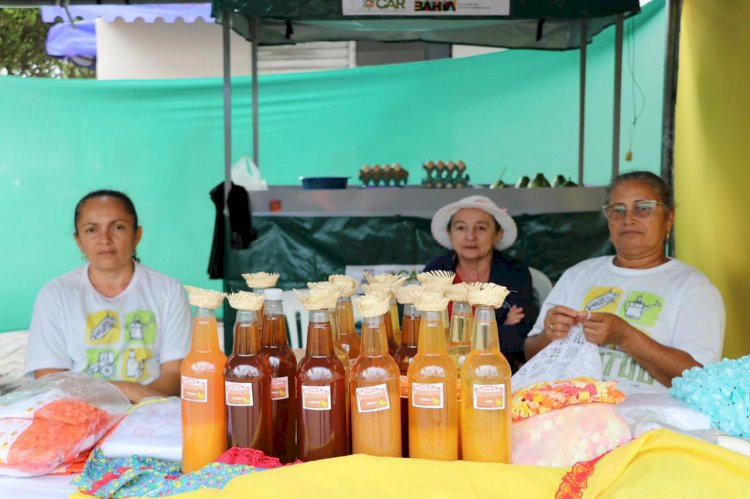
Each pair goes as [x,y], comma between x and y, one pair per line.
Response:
[50,421]
[568,435]
[151,429]
[571,357]
[246,174]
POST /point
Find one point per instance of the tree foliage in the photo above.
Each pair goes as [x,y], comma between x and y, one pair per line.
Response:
[23,37]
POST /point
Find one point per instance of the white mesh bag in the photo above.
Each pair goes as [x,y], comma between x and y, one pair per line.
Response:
[570,357]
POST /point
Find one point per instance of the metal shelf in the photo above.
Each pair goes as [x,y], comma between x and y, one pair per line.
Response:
[418,201]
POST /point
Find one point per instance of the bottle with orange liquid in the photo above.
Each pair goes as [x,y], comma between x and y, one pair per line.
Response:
[391,321]
[485,404]
[259,282]
[432,387]
[248,379]
[375,379]
[395,325]
[347,363]
[347,338]
[204,417]
[321,386]
[439,281]
[404,355]
[283,365]
[459,344]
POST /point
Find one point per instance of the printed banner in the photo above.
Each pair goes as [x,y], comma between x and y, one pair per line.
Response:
[425,7]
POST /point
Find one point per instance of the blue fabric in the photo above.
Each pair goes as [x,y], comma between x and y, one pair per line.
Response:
[136,476]
[721,391]
[64,40]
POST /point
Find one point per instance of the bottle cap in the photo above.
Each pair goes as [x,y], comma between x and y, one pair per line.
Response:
[272,294]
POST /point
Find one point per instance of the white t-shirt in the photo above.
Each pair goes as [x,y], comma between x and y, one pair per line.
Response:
[124,338]
[673,303]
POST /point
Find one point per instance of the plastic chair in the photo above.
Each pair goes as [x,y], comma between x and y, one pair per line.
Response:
[541,285]
[297,319]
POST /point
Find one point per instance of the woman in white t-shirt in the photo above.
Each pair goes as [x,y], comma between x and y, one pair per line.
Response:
[112,317]
[652,316]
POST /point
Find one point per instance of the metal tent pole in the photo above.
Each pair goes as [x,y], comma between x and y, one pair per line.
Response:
[227,88]
[225,39]
[582,102]
[674,15]
[254,32]
[618,95]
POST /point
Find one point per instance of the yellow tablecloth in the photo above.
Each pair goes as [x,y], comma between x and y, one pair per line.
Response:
[658,464]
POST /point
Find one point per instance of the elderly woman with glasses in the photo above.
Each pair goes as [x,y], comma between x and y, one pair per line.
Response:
[652,316]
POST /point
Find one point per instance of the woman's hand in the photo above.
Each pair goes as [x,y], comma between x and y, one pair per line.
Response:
[135,392]
[558,321]
[603,328]
[514,316]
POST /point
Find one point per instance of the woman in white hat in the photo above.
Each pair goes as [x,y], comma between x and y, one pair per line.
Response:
[476,230]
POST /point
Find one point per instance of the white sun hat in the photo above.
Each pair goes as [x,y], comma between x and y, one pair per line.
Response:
[439,225]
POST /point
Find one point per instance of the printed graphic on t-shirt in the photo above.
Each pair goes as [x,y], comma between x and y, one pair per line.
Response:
[102,362]
[641,308]
[103,328]
[619,365]
[601,299]
[134,366]
[140,326]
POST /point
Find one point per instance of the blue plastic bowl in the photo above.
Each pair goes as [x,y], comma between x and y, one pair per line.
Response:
[324,182]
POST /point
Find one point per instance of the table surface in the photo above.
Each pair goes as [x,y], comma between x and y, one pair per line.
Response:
[38,487]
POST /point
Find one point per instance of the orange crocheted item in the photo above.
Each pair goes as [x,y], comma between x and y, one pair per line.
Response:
[548,396]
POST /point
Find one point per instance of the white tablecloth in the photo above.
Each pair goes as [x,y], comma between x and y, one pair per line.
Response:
[38,487]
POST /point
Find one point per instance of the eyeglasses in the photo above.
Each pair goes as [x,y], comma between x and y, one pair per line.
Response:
[641,209]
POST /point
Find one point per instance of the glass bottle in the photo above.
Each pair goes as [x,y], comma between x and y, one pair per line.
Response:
[403,357]
[485,404]
[248,387]
[375,400]
[283,365]
[204,418]
[347,363]
[459,347]
[432,392]
[346,337]
[321,394]
[390,338]
[395,326]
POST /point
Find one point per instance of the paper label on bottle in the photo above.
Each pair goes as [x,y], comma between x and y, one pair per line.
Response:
[404,387]
[10,430]
[194,389]
[316,398]
[427,395]
[280,388]
[373,398]
[239,394]
[489,397]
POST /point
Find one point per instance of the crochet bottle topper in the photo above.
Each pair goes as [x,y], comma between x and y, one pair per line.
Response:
[261,280]
[204,298]
[372,305]
[244,300]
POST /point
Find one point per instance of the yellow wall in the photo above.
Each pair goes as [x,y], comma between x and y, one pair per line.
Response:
[712,155]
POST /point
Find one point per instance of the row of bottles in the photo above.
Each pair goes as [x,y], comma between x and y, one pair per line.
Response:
[403,401]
